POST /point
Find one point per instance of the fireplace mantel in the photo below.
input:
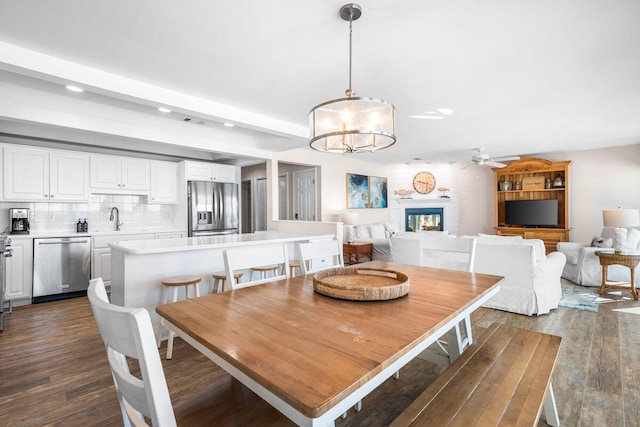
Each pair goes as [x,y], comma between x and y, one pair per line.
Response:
[423,202]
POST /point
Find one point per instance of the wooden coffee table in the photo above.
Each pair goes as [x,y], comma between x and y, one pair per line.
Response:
[353,252]
[626,259]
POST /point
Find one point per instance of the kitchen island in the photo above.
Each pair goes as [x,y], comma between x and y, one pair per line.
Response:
[137,266]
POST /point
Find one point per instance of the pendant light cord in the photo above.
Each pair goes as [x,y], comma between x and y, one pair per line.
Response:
[350,50]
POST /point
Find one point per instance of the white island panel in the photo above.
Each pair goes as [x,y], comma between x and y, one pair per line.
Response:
[138,266]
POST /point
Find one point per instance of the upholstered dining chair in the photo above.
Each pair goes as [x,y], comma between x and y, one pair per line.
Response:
[319,255]
[245,258]
[127,332]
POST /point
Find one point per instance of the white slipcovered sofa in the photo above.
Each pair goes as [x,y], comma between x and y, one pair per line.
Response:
[583,266]
[532,279]
[379,235]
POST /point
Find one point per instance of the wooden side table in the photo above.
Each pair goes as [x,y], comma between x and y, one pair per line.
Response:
[353,252]
[626,259]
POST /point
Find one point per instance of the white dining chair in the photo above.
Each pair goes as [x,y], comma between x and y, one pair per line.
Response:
[451,253]
[245,258]
[319,255]
[127,332]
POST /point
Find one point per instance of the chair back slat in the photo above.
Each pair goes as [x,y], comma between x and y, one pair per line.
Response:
[319,255]
[244,258]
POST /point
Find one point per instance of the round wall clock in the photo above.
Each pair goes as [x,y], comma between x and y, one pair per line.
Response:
[424,182]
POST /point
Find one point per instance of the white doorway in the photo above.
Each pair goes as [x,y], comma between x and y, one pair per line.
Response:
[283,196]
[261,204]
[304,194]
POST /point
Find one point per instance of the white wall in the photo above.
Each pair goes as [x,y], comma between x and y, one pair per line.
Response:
[332,179]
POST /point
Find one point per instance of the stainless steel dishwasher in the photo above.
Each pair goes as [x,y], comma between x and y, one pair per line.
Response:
[61,267]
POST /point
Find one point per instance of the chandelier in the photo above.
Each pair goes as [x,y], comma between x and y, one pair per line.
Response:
[353,124]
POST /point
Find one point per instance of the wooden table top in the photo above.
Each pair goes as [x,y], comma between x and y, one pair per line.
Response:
[311,350]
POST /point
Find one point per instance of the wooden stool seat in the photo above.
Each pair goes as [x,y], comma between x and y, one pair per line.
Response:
[293,264]
[181,280]
[171,284]
[264,270]
[219,280]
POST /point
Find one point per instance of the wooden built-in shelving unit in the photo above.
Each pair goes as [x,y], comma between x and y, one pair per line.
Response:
[547,170]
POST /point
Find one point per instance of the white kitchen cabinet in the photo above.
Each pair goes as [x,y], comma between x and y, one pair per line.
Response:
[38,174]
[164,183]
[26,173]
[119,175]
[68,176]
[20,272]
[200,171]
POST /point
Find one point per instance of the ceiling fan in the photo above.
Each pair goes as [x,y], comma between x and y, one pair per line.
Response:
[484,159]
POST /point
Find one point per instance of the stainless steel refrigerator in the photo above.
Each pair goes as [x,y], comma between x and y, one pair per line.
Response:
[213,208]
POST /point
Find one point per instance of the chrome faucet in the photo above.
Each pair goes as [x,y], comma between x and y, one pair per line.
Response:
[117,218]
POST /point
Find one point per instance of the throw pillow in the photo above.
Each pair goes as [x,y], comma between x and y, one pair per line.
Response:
[633,239]
[601,242]
[362,232]
[377,231]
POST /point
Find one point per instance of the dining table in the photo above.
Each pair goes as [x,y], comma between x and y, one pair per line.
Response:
[312,356]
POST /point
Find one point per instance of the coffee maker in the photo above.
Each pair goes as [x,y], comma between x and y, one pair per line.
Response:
[19,219]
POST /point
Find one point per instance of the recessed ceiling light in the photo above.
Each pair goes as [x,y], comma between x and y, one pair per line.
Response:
[164,110]
[445,111]
[229,125]
[74,88]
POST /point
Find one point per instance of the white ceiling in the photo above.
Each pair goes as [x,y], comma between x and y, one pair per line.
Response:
[521,77]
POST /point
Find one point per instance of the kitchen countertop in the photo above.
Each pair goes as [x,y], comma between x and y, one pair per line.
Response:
[46,234]
[142,247]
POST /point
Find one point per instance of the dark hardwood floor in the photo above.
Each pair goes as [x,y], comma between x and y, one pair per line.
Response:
[54,371]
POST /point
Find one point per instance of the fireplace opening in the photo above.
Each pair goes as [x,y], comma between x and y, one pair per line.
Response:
[424,219]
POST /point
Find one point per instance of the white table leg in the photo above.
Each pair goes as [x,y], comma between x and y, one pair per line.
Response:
[550,409]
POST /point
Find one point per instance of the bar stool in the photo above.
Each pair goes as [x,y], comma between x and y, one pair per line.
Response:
[264,270]
[293,264]
[219,279]
[171,284]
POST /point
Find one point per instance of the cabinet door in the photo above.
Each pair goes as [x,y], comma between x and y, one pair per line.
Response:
[101,264]
[197,171]
[69,176]
[224,173]
[135,175]
[20,270]
[164,183]
[105,172]
[26,174]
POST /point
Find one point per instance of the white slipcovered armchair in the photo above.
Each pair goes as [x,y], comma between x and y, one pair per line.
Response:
[531,279]
[583,266]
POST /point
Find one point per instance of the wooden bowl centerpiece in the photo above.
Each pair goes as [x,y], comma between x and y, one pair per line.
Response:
[361,284]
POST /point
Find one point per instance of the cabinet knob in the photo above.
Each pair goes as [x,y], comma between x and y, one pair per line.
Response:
[51,196]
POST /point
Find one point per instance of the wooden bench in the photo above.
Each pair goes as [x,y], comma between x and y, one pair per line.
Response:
[504,378]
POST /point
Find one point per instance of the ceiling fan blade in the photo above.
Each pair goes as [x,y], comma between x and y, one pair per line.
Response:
[494,164]
[507,158]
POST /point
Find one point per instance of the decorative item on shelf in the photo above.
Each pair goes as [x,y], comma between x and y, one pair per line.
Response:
[517,185]
[505,185]
[558,181]
[404,194]
[548,184]
[533,182]
[621,218]
[353,124]
[424,182]
[444,190]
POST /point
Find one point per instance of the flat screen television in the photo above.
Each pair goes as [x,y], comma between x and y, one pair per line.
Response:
[531,213]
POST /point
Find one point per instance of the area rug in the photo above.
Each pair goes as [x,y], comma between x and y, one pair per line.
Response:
[585,298]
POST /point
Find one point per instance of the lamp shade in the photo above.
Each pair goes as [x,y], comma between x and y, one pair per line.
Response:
[621,218]
[352,125]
